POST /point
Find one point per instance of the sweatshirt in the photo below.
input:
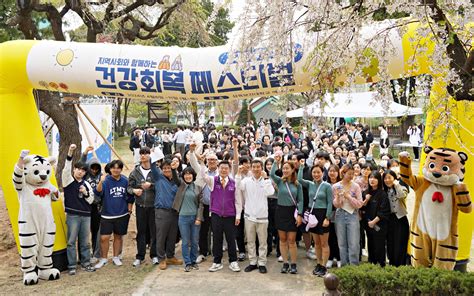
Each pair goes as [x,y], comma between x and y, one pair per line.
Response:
[115,198]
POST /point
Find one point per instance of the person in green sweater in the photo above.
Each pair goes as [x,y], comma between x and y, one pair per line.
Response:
[320,205]
[290,196]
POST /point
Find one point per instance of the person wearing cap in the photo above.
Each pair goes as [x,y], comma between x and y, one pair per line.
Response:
[211,171]
[78,197]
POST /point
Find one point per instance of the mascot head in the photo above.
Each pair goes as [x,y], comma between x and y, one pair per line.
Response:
[38,169]
[444,166]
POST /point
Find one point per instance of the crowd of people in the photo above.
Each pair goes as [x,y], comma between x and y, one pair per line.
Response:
[263,188]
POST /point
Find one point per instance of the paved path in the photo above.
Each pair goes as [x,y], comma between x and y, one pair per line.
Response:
[174,281]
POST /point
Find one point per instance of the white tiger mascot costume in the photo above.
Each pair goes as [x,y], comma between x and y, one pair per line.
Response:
[35,219]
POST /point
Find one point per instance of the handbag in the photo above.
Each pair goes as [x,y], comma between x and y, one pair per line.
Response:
[309,218]
[295,214]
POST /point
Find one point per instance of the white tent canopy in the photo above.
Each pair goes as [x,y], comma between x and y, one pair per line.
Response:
[354,105]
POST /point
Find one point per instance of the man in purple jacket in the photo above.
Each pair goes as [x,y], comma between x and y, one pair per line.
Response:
[225,207]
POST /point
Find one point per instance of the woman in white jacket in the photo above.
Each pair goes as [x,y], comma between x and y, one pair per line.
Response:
[415,139]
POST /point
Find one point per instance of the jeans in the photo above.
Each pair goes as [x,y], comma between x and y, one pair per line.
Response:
[348,236]
[190,238]
[78,227]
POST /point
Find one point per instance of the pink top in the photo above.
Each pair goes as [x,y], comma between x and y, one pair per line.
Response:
[348,200]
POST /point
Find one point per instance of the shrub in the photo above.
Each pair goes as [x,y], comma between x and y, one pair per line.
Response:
[369,279]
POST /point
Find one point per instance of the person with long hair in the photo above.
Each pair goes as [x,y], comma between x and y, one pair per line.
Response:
[363,181]
[376,214]
[290,197]
[320,203]
[347,200]
[398,228]
[333,177]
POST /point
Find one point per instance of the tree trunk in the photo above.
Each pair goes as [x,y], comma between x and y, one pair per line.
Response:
[65,118]
[125,117]
[401,97]
[195,113]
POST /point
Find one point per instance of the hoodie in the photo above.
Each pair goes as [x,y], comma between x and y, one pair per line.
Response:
[92,179]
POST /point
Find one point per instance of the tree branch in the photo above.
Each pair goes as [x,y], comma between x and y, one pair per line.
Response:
[54,17]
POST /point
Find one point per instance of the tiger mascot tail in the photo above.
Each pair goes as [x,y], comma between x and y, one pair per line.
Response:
[35,219]
[440,194]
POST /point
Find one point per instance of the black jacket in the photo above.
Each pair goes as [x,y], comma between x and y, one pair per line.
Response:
[147,199]
[378,206]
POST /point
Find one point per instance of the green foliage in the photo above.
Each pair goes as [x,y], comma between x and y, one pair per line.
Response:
[368,279]
[243,115]
[7,11]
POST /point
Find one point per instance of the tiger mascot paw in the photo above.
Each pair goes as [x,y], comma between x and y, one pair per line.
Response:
[30,278]
[49,274]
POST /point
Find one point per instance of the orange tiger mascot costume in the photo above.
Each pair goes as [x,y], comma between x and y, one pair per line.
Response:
[440,193]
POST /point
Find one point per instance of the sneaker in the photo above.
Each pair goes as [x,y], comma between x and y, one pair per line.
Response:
[317,269]
[102,262]
[285,268]
[293,269]
[162,265]
[72,271]
[241,257]
[262,269]
[216,267]
[155,260]
[322,272]
[329,264]
[234,266]
[187,268]
[339,264]
[174,261]
[200,258]
[194,266]
[280,259]
[88,268]
[137,262]
[250,268]
[94,260]
[117,261]
[310,255]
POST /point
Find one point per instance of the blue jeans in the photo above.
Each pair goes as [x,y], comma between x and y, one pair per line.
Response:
[190,238]
[348,236]
[78,227]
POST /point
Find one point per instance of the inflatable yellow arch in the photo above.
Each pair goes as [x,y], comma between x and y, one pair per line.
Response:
[153,73]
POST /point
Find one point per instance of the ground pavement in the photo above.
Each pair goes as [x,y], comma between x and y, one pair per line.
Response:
[174,281]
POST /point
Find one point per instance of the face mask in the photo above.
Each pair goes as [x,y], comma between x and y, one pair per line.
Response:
[383,163]
[396,170]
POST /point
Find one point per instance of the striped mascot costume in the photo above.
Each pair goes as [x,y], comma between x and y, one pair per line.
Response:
[35,219]
[440,194]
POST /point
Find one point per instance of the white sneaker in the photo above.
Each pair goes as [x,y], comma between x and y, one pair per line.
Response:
[102,262]
[155,260]
[329,264]
[311,249]
[94,260]
[216,267]
[234,266]
[200,258]
[310,255]
[339,264]
[117,261]
[136,263]
[280,259]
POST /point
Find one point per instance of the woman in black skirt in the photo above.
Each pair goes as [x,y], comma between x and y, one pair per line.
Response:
[375,217]
[320,205]
[290,197]
[334,176]
[398,228]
